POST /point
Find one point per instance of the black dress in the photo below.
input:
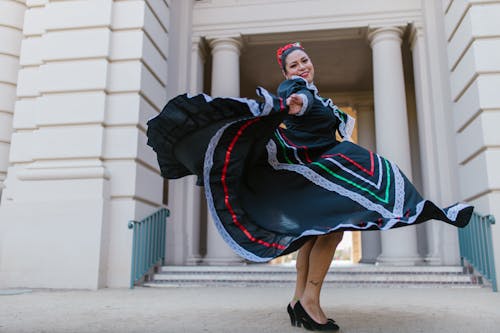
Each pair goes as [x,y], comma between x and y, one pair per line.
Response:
[273,180]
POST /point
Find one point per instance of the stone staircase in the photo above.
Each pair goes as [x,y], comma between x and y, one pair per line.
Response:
[354,275]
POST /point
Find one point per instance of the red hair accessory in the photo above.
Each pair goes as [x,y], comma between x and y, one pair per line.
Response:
[282,52]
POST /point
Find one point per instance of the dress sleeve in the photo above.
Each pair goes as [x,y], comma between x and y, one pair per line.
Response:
[346,125]
[297,86]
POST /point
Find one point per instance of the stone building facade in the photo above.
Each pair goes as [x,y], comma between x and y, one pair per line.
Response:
[80,78]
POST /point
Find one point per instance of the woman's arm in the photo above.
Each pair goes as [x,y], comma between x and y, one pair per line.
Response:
[295,104]
[298,98]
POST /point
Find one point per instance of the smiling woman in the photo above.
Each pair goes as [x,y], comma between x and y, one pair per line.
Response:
[275,189]
[299,64]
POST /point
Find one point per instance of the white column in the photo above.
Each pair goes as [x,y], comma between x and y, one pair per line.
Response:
[194,193]
[370,241]
[399,246]
[11,26]
[225,66]
[198,59]
[427,139]
[225,82]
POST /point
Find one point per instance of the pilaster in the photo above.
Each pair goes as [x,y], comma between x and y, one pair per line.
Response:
[427,138]
[184,196]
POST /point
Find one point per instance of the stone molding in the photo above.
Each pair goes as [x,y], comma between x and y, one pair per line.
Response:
[212,17]
[63,173]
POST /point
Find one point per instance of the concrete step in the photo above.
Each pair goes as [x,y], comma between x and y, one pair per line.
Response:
[357,275]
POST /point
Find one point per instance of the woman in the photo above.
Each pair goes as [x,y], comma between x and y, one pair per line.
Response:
[315,256]
[274,189]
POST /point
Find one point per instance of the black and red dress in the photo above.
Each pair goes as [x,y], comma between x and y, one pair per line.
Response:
[270,187]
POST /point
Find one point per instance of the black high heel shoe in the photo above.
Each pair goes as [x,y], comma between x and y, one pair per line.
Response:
[291,313]
[293,320]
[302,318]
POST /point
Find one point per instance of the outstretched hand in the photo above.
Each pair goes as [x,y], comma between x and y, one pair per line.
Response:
[294,103]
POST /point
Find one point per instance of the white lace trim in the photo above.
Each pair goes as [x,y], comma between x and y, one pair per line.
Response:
[305,103]
[452,212]
[392,222]
[345,128]
[399,194]
[208,98]
[211,206]
[253,105]
[268,105]
[324,183]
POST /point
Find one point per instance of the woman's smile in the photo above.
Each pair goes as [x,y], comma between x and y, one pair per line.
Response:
[298,63]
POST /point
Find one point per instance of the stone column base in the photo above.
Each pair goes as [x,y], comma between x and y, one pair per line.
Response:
[433,260]
[235,261]
[194,261]
[399,261]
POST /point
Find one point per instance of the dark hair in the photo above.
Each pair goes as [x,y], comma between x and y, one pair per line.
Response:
[284,51]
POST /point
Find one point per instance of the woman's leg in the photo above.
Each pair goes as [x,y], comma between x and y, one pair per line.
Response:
[320,258]
[302,267]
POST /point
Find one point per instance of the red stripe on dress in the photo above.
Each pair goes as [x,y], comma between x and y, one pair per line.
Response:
[356,163]
[226,191]
[306,154]
[282,106]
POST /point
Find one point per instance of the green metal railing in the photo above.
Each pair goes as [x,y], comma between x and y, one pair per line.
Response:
[476,246]
[148,247]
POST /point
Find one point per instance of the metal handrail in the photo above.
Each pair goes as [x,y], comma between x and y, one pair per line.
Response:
[476,246]
[148,244]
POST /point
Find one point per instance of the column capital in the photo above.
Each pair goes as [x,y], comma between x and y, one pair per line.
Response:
[225,43]
[376,35]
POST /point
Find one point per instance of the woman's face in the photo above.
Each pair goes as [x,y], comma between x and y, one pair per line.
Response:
[298,63]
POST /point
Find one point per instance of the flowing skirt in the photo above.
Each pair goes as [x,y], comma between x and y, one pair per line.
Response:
[267,192]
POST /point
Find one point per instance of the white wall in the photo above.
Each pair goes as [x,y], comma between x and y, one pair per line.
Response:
[11,24]
[139,54]
[92,73]
[473,35]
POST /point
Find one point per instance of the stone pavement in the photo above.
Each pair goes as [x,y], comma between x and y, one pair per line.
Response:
[247,309]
